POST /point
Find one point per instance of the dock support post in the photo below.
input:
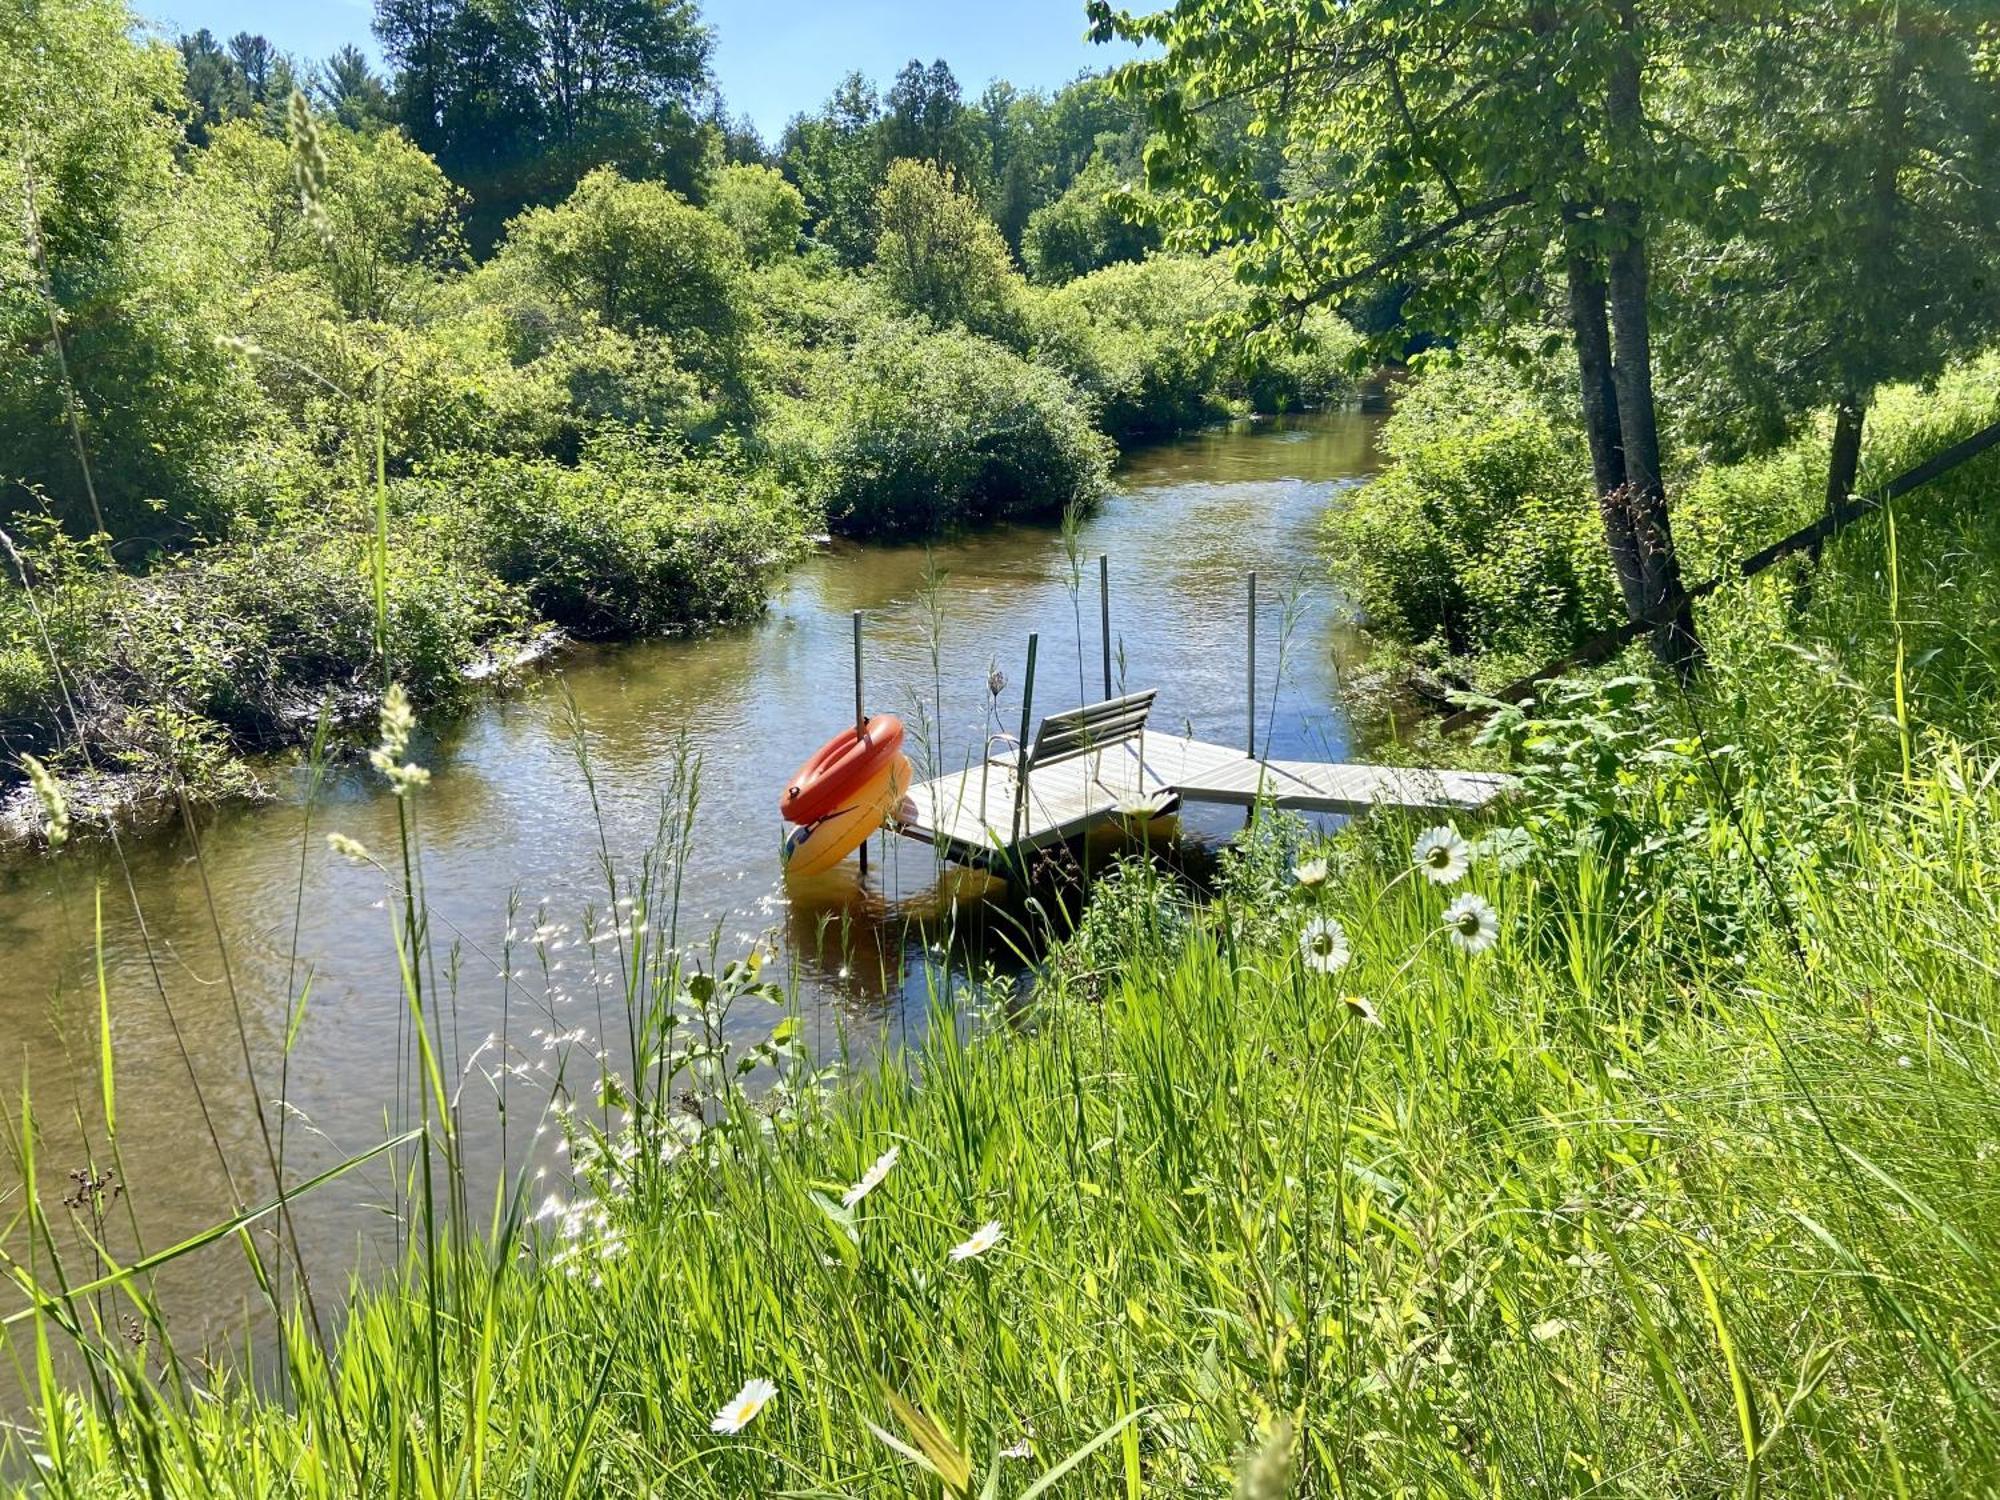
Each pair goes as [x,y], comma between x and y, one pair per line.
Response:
[1250,723]
[1104,614]
[1027,723]
[860,719]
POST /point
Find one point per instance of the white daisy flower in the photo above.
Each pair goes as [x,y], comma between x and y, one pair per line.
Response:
[743,1407]
[1442,854]
[872,1178]
[984,1238]
[1323,945]
[1311,874]
[1362,1008]
[1472,923]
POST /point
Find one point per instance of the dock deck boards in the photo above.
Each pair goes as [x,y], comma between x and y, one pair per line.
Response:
[1067,799]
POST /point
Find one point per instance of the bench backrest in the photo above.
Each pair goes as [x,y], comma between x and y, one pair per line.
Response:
[1095,726]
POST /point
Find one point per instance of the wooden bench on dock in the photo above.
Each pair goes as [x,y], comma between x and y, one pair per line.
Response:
[1090,766]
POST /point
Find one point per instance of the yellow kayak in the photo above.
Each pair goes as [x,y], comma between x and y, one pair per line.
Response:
[819,846]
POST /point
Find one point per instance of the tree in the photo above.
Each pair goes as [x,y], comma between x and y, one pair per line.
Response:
[116,403]
[764,211]
[833,159]
[519,99]
[924,119]
[350,91]
[1871,138]
[262,67]
[1492,132]
[214,83]
[641,259]
[938,253]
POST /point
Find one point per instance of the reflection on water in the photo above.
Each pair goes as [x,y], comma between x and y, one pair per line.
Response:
[509,837]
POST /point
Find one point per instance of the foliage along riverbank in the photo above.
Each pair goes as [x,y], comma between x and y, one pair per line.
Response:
[1641,1144]
[280,392]
[1478,556]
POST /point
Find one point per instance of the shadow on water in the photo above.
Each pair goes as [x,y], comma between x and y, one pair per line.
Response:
[511,841]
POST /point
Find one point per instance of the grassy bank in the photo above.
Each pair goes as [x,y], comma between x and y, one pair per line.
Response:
[1684,1186]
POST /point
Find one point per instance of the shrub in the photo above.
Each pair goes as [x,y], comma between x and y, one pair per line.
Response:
[762,210]
[632,541]
[915,432]
[938,253]
[1084,229]
[1482,536]
[639,257]
[236,646]
[1136,337]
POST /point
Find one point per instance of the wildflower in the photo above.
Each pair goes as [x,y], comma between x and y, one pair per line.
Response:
[55,811]
[743,1407]
[1472,923]
[1442,854]
[872,1178]
[984,1238]
[346,847]
[1311,874]
[1362,1008]
[1323,945]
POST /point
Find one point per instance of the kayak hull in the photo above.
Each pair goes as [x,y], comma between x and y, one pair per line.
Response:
[817,847]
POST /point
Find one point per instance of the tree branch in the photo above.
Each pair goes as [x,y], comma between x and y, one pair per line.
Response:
[1472,213]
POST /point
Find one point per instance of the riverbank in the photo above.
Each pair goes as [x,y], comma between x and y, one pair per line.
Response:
[1643,1146]
[1479,555]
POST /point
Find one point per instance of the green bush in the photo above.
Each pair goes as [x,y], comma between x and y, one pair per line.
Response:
[235,647]
[1482,537]
[638,257]
[1481,546]
[912,433]
[1084,229]
[1136,338]
[762,210]
[939,255]
[631,541]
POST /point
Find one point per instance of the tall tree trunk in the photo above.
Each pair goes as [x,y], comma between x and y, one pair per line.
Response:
[1674,642]
[1590,329]
[1844,462]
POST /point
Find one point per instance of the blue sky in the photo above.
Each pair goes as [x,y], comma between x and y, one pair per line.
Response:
[772,57]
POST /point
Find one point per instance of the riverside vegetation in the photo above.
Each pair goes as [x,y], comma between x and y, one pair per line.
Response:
[1640,1142]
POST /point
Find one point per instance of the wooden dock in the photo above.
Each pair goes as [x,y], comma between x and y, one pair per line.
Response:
[972,817]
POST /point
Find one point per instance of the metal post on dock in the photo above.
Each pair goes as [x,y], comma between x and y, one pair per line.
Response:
[1027,723]
[1250,731]
[1104,614]
[860,718]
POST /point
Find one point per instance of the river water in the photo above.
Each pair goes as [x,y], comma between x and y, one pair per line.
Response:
[509,837]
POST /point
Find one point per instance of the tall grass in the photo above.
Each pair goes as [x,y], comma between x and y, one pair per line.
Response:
[1627,1205]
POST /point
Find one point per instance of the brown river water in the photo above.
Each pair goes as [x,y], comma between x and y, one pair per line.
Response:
[507,832]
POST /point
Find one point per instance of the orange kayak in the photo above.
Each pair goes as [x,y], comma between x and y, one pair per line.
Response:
[841,769]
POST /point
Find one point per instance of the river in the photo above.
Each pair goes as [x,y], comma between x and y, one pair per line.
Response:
[508,835]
